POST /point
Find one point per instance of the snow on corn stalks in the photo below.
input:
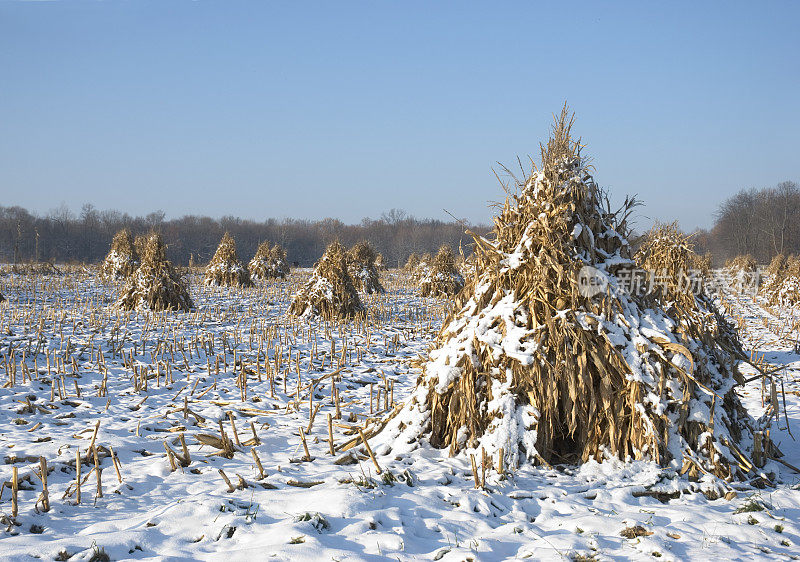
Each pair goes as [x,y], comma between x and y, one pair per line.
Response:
[782,285]
[269,263]
[774,274]
[534,366]
[329,292]
[422,267]
[122,260]
[155,285]
[362,268]
[442,278]
[225,269]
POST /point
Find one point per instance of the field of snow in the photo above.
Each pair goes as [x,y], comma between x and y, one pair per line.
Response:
[69,361]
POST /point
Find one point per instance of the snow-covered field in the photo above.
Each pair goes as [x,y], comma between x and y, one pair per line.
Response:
[150,379]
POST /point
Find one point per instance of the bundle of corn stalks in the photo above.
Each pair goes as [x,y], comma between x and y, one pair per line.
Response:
[380,263]
[155,284]
[122,260]
[536,364]
[269,263]
[412,263]
[743,273]
[672,272]
[362,269]
[678,289]
[442,279]
[225,269]
[774,275]
[784,285]
[703,264]
[423,267]
[745,263]
[329,292]
[139,244]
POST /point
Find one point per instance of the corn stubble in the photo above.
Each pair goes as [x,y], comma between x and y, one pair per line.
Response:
[530,367]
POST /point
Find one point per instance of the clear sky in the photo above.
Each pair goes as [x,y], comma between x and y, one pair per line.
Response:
[347,109]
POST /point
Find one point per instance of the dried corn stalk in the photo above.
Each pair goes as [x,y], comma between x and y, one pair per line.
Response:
[442,279]
[139,244]
[412,263]
[745,263]
[782,286]
[122,260]
[329,292]
[225,269]
[362,268]
[155,284]
[533,363]
[269,263]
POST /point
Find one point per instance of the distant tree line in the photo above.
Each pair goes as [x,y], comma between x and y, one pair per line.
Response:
[762,222]
[65,236]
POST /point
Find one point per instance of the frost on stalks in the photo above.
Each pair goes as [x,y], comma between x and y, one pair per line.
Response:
[442,278]
[225,269]
[329,292]
[122,260]
[529,363]
[362,267]
[155,285]
[269,263]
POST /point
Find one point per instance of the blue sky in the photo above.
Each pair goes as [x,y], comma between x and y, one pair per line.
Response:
[347,109]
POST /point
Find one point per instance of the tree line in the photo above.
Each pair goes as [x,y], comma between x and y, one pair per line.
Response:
[761,222]
[63,236]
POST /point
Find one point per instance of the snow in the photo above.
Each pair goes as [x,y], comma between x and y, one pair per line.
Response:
[427,509]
